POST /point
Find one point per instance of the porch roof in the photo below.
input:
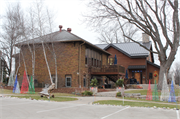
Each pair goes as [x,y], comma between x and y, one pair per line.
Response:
[137,67]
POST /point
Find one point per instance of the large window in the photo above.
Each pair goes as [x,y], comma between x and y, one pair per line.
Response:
[68,81]
[93,58]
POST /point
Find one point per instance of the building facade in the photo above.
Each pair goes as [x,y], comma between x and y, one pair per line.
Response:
[74,56]
[138,61]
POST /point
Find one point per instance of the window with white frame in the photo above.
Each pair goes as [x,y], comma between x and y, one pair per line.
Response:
[68,81]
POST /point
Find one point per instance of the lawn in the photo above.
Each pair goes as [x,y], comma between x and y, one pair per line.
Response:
[144,92]
[5,91]
[37,96]
[58,99]
[150,101]
[133,104]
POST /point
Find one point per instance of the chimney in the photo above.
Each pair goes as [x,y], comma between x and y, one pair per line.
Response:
[69,30]
[60,28]
[145,38]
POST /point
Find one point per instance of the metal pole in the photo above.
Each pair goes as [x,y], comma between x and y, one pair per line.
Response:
[123,94]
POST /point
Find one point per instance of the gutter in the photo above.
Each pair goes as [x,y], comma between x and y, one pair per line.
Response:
[80,64]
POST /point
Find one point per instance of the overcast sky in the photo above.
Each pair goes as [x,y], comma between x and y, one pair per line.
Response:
[69,14]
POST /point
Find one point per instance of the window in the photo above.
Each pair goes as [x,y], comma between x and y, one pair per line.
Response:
[93,57]
[84,80]
[86,61]
[150,75]
[111,61]
[68,81]
[35,81]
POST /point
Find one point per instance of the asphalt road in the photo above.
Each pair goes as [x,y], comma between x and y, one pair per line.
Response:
[11,108]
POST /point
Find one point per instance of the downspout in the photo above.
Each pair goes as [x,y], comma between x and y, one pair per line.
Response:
[146,81]
[80,64]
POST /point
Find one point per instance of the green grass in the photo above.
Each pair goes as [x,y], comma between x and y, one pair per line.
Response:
[144,92]
[5,91]
[58,99]
[133,104]
[128,98]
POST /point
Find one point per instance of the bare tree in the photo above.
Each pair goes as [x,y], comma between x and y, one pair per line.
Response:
[12,31]
[158,19]
[114,33]
[40,25]
[177,73]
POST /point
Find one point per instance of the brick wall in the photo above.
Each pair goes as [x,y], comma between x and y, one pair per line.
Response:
[152,69]
[67,56]
[67,62]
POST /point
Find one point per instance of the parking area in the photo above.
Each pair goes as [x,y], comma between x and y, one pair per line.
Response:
[12,108]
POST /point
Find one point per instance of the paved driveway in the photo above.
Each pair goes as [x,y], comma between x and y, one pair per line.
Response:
[30,109]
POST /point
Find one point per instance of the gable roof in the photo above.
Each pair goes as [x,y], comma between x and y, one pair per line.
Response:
[131,49]
[155,65]
[63,36]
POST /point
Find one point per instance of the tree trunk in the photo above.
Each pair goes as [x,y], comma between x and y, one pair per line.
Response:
[47,63]
[161,77]
[163,70]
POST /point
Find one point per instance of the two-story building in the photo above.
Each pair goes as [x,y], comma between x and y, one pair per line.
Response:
[138,61]
[75,58]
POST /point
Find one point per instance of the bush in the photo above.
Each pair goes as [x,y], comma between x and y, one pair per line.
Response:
[94,82]
[118,94]
[87,93]
[120,82]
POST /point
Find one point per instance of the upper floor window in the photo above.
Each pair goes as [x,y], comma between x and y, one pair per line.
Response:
[92,57]
[111,61]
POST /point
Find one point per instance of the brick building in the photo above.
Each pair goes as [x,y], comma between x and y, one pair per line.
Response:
[138,61]
[76,59]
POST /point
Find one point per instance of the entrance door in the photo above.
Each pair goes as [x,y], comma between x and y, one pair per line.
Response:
[138,77]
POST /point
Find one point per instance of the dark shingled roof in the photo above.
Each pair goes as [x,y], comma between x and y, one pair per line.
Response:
[63,36]
[57,36]
[130,49]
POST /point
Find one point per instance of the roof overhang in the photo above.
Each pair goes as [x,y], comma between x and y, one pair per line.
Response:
[137,67]
[155,65]
[60,41]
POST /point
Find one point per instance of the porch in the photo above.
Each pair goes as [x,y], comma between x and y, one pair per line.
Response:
[108,70]
[111,72]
